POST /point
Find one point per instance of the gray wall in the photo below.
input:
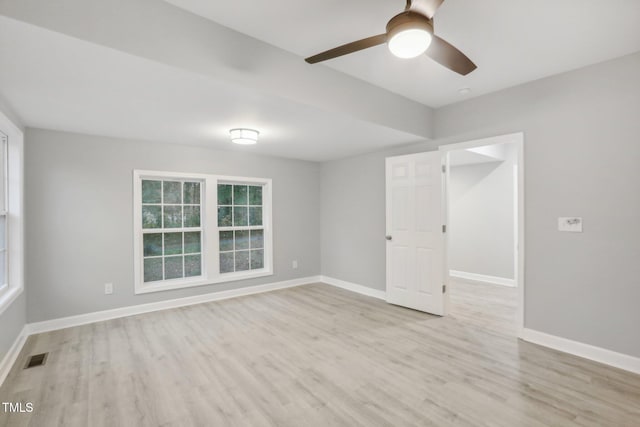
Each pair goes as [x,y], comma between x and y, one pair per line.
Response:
[12,320]
[581,158]
[79,217]
[481,217]
[353,219]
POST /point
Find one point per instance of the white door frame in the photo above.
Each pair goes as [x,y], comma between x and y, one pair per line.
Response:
[518,140]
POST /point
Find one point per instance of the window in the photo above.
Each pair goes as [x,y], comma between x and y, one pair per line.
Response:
[3,211]
[196,229]
[241,227]
[171,229]
[11,212]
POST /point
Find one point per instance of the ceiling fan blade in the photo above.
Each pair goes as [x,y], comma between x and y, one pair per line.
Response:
[348,48]
[449,56]
[424,7]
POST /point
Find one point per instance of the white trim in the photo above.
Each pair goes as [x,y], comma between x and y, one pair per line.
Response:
[353,287]
[492,140]
[14,211]
[8,295]
[517,139]
[12,355]
[99,316]
[587,351]
[494,280]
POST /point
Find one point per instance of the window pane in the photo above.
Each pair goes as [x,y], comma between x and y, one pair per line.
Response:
[255,195]
[172,192]
[172,216]
[257,239]
[172,243]
[173,267]
[152,269]
[3,229]
[151,191]
[3,268]
[226,262]
[257,259]
[242,239]
[255,216]
[224,217]
[226,241]
[192,265]
[3,168]
[191,193]
[192,216]
[240,216]
[151,217]
[242,260]
[240,195]
[224,194]
[192,242]
[152,244]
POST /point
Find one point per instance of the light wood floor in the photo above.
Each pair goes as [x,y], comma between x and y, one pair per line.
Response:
[316,356]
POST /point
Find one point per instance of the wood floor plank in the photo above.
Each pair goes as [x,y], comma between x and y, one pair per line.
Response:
[316,355]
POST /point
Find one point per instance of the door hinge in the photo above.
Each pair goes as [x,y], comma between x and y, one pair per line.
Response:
[444,228]
[444,289]
[444,168]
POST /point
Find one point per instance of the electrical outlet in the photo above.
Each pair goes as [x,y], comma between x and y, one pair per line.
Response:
[108,288]
[294,264]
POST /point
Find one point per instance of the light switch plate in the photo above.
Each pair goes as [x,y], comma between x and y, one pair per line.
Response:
[571,224]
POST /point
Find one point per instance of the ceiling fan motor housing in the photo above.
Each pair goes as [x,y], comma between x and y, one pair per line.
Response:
[408,21]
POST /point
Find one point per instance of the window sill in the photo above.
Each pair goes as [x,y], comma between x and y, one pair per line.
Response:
[181,284]
[8,296]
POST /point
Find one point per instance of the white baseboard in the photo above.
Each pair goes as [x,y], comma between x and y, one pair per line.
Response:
[12,355]
[587,351]
[99,316]
[494,280]
[353,287]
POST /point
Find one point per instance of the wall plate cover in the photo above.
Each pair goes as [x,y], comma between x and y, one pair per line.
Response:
[572,224]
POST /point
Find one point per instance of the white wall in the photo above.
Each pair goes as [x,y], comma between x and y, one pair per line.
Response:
[581,133]
[481,217]
[79,220]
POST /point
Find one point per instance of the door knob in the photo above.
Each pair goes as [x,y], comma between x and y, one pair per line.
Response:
[388,237]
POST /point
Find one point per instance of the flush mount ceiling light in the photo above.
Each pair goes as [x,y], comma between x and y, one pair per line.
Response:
[244,136]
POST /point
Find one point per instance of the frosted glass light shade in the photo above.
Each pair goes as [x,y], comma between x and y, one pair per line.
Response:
[410,43]
[244,136]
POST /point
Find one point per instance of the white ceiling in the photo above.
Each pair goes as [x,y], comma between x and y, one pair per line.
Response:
[477,155]
[511,41]
[101,67]
[55,81]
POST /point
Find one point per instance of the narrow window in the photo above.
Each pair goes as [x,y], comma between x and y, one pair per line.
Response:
[241,225]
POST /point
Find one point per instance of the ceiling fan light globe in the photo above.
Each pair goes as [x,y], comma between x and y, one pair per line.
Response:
[410,43]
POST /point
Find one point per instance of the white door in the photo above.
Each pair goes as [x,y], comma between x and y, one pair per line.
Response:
[415,244]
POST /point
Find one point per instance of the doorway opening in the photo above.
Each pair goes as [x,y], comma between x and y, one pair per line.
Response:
[483,211]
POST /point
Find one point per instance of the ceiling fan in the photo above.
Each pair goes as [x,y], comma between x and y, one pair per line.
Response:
[409,34]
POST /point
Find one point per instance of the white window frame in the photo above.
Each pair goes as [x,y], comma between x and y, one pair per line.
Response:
[210,231]
[13,285]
